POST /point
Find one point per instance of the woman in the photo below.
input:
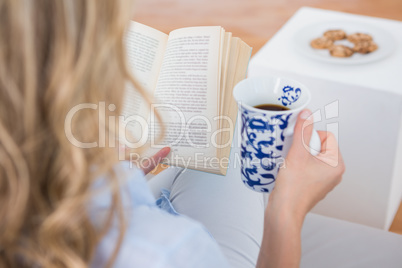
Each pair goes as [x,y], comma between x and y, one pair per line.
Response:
[66,206]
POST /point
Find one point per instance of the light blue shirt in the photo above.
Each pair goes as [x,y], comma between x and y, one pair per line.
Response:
[154,237]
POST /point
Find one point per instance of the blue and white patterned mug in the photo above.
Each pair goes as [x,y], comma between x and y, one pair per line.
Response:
[266,136]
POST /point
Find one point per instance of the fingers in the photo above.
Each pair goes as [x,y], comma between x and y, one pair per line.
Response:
[323,137]
[150,164]
[330,153]
[302,133]
[328,142]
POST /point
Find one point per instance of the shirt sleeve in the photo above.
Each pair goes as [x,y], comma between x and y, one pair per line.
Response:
[153,237]
[169,242]
[198,250]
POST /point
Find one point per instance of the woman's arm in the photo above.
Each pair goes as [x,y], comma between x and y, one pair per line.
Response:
[281,244]
[301,184]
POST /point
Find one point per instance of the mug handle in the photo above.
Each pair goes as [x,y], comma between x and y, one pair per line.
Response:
[315,141]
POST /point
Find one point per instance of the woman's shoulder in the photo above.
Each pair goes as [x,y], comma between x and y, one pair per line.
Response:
[133,187]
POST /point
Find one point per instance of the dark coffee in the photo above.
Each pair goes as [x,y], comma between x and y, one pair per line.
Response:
[271,107]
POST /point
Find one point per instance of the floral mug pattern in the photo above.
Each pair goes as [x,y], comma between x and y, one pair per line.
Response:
[266,136]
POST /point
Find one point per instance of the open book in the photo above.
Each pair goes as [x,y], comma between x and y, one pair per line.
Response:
[191,74]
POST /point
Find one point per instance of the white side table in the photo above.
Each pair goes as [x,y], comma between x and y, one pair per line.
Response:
[362,104]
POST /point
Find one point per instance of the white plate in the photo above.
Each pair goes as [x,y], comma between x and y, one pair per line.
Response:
[384,40]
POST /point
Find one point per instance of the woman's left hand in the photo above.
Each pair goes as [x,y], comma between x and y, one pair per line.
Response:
[151,163]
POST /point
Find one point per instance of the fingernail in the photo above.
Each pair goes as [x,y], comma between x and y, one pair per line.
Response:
[305,114]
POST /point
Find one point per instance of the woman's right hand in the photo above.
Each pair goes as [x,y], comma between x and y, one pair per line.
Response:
[305,179]
[301,183]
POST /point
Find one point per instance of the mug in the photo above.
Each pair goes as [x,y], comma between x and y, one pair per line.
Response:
[266,136]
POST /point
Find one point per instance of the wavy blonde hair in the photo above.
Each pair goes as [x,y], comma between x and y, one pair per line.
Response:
[55,54]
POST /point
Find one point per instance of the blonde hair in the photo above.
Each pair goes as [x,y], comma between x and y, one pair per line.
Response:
[54,55]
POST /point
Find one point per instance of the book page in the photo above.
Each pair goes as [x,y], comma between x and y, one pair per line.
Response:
[239,57]
[224,67]
[221,59]
[186,92]
[145,50]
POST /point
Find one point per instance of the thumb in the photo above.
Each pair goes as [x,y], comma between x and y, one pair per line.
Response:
[302,133]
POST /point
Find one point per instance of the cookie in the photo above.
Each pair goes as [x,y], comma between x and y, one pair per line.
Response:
[365,47]
[359,37]
[321,43]
[340,51]
[335,34]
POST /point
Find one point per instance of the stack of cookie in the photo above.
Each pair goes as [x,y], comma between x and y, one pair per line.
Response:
[363,43]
